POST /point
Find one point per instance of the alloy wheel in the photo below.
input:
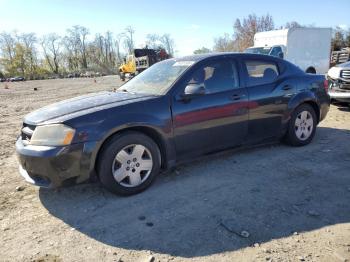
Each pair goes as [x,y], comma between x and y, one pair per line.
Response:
[304,125]
[132,165]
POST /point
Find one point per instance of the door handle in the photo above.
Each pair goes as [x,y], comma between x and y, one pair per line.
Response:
[236,97]
[286,87]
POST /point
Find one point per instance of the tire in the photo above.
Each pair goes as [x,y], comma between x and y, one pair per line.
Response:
[122,76]
[134,170]
[301,129]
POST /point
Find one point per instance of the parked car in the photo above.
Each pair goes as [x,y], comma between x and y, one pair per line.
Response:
[339,82]
[17,79]
[308,48]
[173,111]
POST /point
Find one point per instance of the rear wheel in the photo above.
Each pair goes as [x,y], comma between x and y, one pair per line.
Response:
[129,163]
[302,126]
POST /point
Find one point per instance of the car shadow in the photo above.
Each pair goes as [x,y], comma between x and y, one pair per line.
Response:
[345,107]
[203,207]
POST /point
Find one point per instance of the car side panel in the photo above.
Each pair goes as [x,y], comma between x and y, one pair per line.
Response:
[311,90]
[269,103]
[210,122]
[153,114]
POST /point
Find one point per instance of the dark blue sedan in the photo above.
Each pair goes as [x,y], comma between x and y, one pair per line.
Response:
[175,110]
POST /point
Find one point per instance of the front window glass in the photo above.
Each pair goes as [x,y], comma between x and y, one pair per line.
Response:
[216,76]
[157,79]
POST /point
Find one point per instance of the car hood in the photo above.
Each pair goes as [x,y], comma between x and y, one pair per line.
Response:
[80,105]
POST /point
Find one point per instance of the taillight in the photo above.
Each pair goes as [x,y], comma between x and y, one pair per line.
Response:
[325,85]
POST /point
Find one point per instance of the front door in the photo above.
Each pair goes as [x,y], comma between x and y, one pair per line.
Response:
[218,118]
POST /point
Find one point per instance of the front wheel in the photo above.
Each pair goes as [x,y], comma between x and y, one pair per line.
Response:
[129,163]
[302,126]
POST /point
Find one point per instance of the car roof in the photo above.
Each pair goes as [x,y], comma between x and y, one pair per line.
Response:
[200,57]
[283,64]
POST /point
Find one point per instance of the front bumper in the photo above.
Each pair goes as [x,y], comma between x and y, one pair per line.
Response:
[340,95]
[339,90]
[51,167]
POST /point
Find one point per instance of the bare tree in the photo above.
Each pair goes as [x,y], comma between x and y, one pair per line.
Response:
[168,44]
[118,39]
[77,36]
[71,54]
[29,40]
[101,51]
[153,41]
[244,31]
[224,44]
[109,49]
[292,24]
[129,39]
[338,41]
[51,45]
[7,47]
[202,50]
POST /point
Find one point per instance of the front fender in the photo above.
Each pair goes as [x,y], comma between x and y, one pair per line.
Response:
[162,128]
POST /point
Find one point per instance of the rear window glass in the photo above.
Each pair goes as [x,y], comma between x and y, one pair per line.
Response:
[261,72]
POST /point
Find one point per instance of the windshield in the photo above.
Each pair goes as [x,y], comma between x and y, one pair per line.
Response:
[157,79]
[258,50]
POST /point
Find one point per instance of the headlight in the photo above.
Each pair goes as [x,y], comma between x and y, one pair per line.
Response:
[334,72]
[52,135]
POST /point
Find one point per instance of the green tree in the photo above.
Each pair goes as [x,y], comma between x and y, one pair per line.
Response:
[18,66]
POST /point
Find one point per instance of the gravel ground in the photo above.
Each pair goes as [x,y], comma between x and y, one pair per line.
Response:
[271,203]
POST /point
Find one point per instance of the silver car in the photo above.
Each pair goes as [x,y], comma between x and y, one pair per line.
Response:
[339,82]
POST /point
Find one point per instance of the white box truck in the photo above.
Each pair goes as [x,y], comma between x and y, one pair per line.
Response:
[308,48]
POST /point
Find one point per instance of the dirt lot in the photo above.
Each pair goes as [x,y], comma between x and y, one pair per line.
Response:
[293,203]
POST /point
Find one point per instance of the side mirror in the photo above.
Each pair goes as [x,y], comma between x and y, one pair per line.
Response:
[280,55]
[193,90]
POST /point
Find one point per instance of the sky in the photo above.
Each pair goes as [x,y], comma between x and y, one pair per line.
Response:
[192,24]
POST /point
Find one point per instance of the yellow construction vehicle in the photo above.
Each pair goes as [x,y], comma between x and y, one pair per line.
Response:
[128,68]
[140,60]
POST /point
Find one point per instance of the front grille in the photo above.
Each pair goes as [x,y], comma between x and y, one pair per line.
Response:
[27,132]
[345,74]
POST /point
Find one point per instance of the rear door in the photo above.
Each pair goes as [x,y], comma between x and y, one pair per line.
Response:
[269,93]
[217,119]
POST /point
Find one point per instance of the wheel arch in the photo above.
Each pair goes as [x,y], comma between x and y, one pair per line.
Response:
[311,70]
[146,130]
[316,108]
[306,100]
